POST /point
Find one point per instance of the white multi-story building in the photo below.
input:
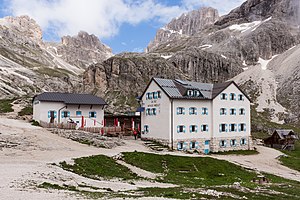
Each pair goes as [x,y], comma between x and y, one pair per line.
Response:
[196,116]
[84,109]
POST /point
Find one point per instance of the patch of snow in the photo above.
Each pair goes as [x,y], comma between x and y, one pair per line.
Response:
[168,45]
[244,63]
[205,46]
[223,56]
[166,57]
[267,87]
[263,63]
[245,26]
[245,68]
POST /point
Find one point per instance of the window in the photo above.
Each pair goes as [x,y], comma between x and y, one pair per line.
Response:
[180,111]
[242,127]
[223,96]
[241,97]
[232,127]
[232,111]
[92,114]
[149,95]
[196,93]
[223,143]
[180,129]
[193,111]
[154,94]
[242,111]
[146,128]
[159,94]
[204,127]
[223,111]
[243,141]
[232,96]
[204,111]
[154,111]
[190,93]
[223,127]
[233,143]
[148,111]
[78,113]
[194,145]
[65,114]
[193,129]
[180,145]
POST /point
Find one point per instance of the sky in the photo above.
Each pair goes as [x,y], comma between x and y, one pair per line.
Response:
[124,25]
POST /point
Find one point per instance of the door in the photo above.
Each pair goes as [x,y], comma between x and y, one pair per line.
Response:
[206,147]
[52,116]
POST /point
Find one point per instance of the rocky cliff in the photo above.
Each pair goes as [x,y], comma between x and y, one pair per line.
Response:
[186,25]
[238,46]
[29,66]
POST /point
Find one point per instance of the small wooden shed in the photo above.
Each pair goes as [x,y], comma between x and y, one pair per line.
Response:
[282,139]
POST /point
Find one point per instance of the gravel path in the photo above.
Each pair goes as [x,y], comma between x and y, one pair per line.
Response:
[265,161]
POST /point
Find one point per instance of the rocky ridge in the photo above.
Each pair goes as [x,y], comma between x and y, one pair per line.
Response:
[186,25]
[29,66]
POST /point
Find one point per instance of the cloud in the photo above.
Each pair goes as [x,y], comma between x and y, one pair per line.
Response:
[101,17]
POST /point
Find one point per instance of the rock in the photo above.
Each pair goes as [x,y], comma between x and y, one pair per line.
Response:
[187,24]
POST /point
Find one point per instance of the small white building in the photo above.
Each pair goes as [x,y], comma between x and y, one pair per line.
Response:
[84,109]
[196,116]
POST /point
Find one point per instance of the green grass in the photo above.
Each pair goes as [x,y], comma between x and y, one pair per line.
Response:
[293,159]
[190,171]
[26,111]
[6,105]
[97,167]
[237,152]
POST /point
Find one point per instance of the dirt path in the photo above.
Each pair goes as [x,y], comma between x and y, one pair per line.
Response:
[265,161]
[29,163]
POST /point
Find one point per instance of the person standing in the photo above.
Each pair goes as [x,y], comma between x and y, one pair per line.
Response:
[134,133]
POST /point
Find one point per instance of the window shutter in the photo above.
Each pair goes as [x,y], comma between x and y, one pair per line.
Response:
[235,126]
[185,145]
[177,111]
[206,111]
[49,114]
[95,114]
[55,114]
[195,109]
[220,143]
[220,128]
[183,111]
[225,96]
[90,114]
[191,145]
[62,114]
[196,145]
[245,141]
[225,143]
[225,111]
[239,127]
[226,127]
[190,109]
[230,142]
[229,127]
[196,128]
[245,127]
[177,129]
[68,114]
[241,142]
[183,129]
[190,128]
[179,146]
[206,128]
[201,127]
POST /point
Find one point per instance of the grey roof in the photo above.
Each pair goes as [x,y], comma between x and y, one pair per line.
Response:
[173,88]
[285,132]
[70,98]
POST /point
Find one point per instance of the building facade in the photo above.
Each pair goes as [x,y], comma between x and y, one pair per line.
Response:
[196,116]
[83,109]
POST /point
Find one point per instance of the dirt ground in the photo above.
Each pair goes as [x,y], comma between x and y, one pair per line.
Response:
[27,154]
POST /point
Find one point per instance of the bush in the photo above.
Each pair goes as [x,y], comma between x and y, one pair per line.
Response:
[26,111]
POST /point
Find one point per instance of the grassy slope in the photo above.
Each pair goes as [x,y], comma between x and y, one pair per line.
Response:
[293,159]
[6,106]
[98,166]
